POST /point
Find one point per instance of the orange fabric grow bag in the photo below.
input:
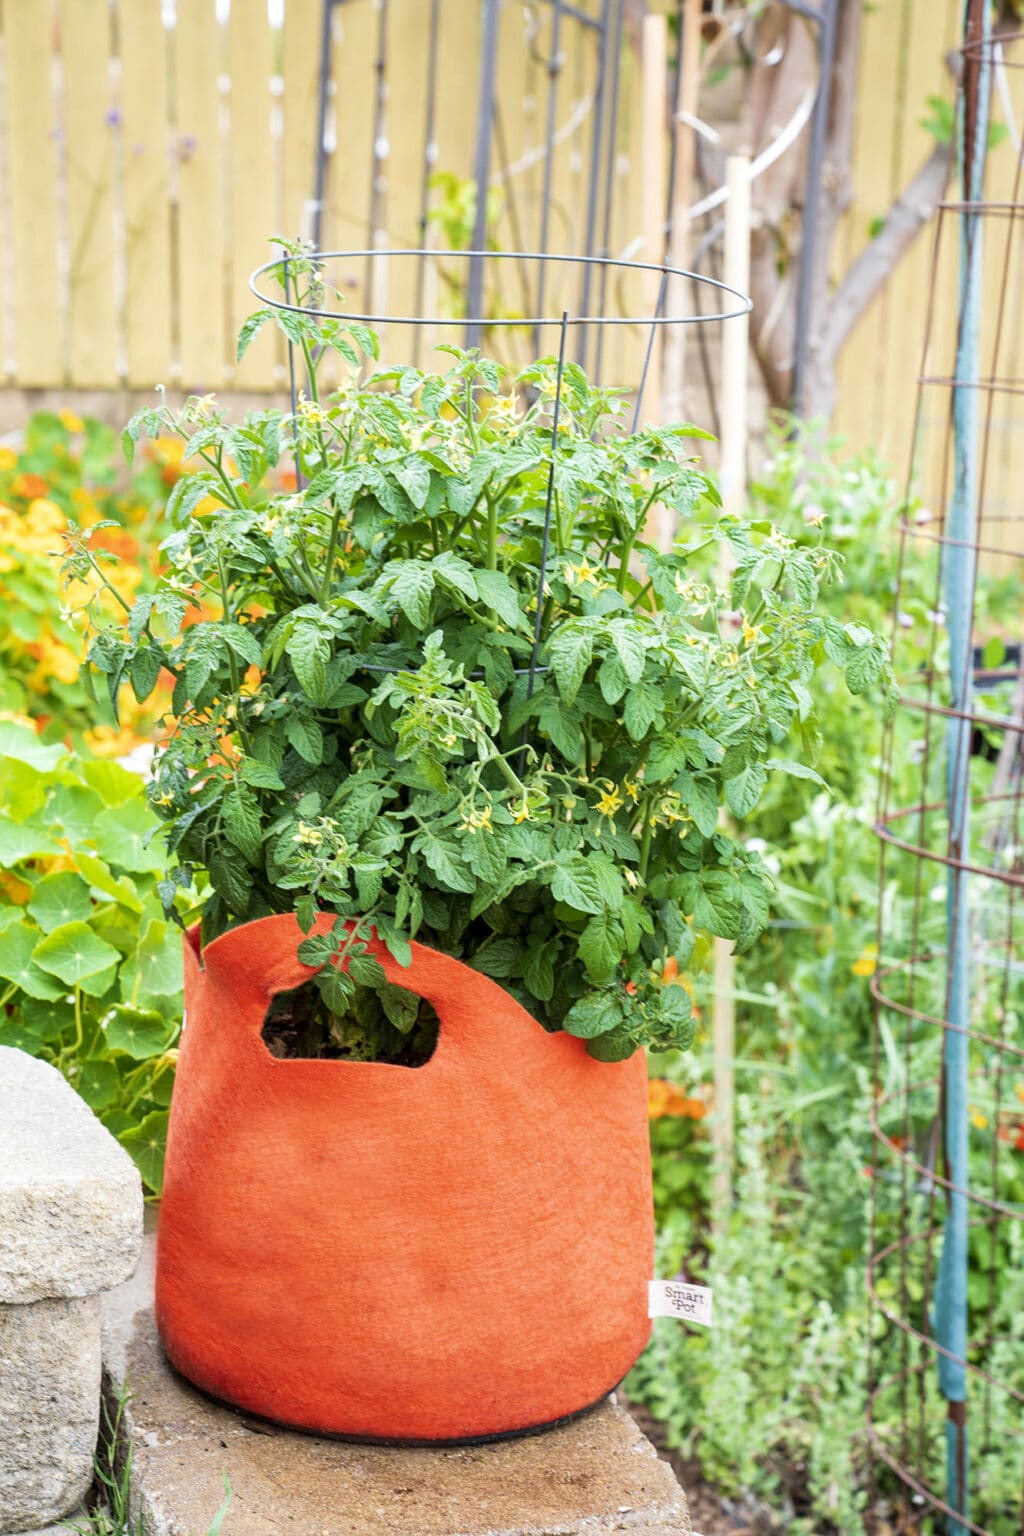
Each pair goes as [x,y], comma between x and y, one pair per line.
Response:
[451,1251]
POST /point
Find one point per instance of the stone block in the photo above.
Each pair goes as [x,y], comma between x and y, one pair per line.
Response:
[70,1227]
[70,1196]
[593,1477]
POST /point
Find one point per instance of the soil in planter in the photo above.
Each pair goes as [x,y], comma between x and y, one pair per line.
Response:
[298,1024]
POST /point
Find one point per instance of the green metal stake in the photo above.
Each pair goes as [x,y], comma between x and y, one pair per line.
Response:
[949,1319]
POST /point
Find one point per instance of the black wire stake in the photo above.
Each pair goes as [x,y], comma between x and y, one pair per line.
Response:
[546,539]
[650,348]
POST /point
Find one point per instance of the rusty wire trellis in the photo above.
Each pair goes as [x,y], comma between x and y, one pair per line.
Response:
[946,1271]
[598,29]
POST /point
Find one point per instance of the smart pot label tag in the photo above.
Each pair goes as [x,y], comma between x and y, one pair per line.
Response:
[674,1298]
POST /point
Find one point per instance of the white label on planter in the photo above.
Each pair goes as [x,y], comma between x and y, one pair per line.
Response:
[674,1298]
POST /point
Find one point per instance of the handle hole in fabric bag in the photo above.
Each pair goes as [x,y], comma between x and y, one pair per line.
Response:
[384,1023]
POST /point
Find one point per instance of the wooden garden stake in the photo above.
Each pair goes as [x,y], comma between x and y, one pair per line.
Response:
[654,73]
[685,138]
[732,478]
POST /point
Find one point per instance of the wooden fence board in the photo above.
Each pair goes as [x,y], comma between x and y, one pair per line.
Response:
[90,127]
[301,67]
[408,44]
[147,214]
[353,52]
[202,250]
[33,166]
[250,67]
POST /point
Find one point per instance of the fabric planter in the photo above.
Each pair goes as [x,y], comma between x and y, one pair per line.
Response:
[455,1251]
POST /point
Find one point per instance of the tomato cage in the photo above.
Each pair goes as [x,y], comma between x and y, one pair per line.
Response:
[641,289]
[946,1270]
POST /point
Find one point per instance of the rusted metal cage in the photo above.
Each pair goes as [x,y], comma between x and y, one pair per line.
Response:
[946,1271]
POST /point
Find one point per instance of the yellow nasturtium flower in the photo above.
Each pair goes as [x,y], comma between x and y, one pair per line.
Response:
[866,963]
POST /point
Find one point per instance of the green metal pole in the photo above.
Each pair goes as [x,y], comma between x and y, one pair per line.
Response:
[959,571]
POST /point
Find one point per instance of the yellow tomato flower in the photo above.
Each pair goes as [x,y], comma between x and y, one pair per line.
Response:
[584,572]
[632,789]
[478,821]
[610,802]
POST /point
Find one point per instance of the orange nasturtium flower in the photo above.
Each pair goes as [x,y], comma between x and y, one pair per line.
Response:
[665,1099]
[15,890]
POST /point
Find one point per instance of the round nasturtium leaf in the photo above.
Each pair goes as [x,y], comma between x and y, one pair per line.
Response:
[98,1082]
[60,898]
[15,1031]
[156,966]
[117,1121]
[74,808]
[17,942]
[73,952]
[140,1032]
[123,835]
[47,1018]
[147,1144]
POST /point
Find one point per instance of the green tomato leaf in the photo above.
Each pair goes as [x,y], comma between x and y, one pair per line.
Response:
[243,642]
[367,971]
[242,822]
[744,790]
[144,669]
[308,651]
[414,478]
[576,880]
[600,945]
[794,770]
[617,1045]
[570,653]
[412,589]
[716,905]
[501,596]
[596,1013]
[305,735]
[445,860]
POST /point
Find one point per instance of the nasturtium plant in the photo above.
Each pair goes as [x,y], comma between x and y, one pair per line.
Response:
[90,966]
[379,722]
[64,477]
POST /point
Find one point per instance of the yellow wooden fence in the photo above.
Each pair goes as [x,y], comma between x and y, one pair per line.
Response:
[148,148]
[903,48]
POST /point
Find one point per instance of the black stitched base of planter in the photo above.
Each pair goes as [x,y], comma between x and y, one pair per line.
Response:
[261,1423]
